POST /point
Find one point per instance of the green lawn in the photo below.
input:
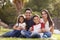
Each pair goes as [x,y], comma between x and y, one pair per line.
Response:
[3,30]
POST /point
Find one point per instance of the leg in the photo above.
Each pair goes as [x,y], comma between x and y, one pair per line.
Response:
[26,33]
[35,35]
[8,34]
[16,33]
[47,34]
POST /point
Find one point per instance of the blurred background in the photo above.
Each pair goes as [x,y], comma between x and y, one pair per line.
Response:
[10,9]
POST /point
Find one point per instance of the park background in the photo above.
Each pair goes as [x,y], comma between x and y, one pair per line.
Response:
[10,9]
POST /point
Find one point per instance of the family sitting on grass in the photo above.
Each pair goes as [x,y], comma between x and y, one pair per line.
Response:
[32,26]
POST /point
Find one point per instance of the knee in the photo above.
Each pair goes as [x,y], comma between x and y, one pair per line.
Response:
[35,35]
[48,34]
[22,32]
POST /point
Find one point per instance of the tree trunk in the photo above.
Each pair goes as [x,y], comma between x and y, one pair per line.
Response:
[19,5]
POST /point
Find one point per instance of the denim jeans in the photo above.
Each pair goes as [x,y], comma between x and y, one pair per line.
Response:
[14,33]
[47,35]
[29,34]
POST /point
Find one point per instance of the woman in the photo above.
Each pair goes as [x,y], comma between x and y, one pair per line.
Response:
[49,26]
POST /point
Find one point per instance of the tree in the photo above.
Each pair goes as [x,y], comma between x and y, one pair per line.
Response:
[37,5]
[19,5]
[8,14]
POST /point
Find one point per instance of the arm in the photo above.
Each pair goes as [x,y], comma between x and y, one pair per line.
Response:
[23,26]
[52,28]
[31,29]
[16,27]
[42,28]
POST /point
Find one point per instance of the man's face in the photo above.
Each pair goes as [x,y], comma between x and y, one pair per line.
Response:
[28,14]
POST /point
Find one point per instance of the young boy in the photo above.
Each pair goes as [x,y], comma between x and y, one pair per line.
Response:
[35,30]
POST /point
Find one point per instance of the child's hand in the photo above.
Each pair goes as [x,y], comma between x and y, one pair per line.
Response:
[39,31]
[30,29]
[19,28]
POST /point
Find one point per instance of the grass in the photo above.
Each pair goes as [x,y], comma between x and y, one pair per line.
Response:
[3,30]
[21,39]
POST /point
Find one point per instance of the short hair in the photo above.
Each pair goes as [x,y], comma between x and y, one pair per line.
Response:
[28,9]
[35,16]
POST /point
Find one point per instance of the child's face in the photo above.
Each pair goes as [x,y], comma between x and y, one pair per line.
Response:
[21,19]
[36,20]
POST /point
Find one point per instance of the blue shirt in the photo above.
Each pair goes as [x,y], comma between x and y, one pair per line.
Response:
[29,23]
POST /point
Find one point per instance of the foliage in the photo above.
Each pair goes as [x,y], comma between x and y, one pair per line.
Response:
[52,5]
[8,13]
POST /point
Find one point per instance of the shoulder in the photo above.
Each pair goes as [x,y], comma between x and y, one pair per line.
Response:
[16,24]
[24,23]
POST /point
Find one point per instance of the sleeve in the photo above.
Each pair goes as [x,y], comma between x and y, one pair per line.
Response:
[32,28]
[25,24]
[42,25]
[16,24]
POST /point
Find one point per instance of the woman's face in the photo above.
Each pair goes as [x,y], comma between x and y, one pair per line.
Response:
[44,15]
[36,20]
[21,19]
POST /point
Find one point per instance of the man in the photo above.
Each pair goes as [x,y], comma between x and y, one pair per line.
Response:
[28,19]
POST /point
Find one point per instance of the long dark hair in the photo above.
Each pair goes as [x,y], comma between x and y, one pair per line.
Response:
[18,19]
[48,17]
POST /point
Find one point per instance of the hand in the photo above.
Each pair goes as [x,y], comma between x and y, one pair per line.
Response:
[39,31]
[19,28]
[43,30]
[30,29]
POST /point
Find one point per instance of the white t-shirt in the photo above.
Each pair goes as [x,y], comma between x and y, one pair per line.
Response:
[36,28]
[23,25]
[46,25]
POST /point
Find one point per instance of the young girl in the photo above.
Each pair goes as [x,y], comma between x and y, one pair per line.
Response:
[35,30]
[20,25]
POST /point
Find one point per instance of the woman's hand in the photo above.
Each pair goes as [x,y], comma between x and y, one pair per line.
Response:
[43,29]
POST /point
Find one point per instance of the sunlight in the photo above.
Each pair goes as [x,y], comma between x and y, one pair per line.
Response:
[11,1]
[26,0]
